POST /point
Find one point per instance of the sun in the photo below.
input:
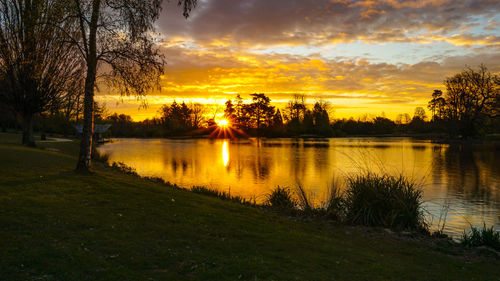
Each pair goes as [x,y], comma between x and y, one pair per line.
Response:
[223,123]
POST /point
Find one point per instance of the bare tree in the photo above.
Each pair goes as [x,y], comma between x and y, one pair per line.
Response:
[36,66]
[197,111]
[420,113]
[296,107]
[115,38]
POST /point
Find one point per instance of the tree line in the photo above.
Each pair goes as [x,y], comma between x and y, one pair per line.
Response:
[468,108]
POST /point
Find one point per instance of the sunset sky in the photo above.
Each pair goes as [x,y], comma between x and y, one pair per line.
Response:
[361,56]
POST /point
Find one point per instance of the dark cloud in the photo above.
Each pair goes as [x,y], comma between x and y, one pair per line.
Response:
[305,22]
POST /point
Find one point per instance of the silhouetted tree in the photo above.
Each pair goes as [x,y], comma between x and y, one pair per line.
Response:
[382,125]
[403,118]
[176,118]
[197,111]
[118,34]
[229,111]
[37,67]
[277,120]
[437,105]
[260,110]
[471,98]
[296,107]
[419,114]
[321,118]
[307,125]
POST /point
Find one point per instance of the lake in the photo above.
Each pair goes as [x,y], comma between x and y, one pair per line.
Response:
[459,181]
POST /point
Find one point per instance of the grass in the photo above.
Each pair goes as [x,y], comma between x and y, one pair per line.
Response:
[369,200]
[281,199]
[383,200]
[56,224]
[221,195]
[481,237]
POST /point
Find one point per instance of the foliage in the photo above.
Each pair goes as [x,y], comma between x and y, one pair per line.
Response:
[120,36]
[471,101]
[38,68]
[220,194]
[383,200]
[281,199]
[481,237]
[334,207]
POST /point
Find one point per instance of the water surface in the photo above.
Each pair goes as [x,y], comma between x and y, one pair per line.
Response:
[459,181]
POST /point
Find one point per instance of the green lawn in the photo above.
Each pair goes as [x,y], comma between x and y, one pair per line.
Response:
[59,225]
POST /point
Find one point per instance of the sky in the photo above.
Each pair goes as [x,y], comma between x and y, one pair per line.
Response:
[364,57]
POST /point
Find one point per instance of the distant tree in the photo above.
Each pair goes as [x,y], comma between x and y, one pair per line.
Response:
[176,117]
[437,105]
[403,118]
[229,111]
[419,114]
[37,67]
[116,34]
[321,118]
[307,124]
[277,120]
[197,111]
[260,110]
[121,125]
[296,107]
[382,125]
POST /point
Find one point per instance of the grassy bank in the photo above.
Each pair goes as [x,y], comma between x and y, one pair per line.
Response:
[59,225]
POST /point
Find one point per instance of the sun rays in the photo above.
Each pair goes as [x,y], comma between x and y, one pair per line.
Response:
[225,129]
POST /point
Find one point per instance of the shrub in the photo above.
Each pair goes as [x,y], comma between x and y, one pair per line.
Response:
[122,167]
[281,199]
[481,237]
[383,200]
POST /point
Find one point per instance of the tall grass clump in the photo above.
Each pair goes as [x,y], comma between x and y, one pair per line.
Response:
[99,156]
[334,206]
[281,199]
[383,200]
[304,201]
[481,237]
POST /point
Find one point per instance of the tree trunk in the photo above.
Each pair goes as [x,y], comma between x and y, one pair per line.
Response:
[84,159]
[28,137]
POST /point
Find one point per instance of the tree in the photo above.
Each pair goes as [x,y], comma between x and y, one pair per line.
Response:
[277,120]
[197,111]
[229,111]
[116,34]
[403,118]
[321,118]
[471,98]
[260,110]
[296,107]
[419,114]
[437,105]
[37,67]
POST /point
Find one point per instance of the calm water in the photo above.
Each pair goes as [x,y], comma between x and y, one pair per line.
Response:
[465,179]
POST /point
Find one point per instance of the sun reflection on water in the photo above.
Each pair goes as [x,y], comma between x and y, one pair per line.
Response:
[225,154]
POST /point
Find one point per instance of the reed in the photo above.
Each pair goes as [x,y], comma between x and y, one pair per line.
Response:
[281,199]
[383,200]
[481,237]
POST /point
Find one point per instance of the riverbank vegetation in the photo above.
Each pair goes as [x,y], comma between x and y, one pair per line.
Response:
[57,224]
